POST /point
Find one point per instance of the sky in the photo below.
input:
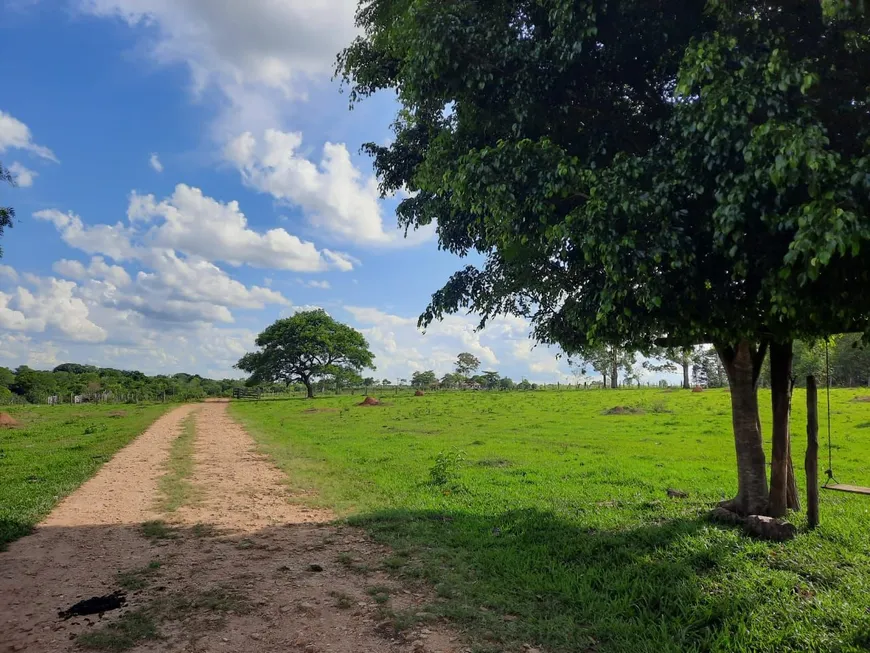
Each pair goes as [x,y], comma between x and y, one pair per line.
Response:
[188,172]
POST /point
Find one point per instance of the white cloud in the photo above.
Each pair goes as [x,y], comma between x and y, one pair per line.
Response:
[334,195]
[111,240]
[321,285]
[154,162]
[98,269]
[15,134]
[8,272]
[201,226]
[52,305]
[23,176]
[260,54]
[401,348]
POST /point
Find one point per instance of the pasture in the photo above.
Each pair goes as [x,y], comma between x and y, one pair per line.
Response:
[542,520]
[53,450]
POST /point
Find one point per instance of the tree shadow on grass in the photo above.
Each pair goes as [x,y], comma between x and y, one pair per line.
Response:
[529,576]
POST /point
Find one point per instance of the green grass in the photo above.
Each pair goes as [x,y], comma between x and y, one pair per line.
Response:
[53,451]
[175,487]
[137,579]
[546,521]
[129,630]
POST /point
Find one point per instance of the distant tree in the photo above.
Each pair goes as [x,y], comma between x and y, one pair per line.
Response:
[7,213]
[308,346]
[607,360]
[7,377]
[708,370]
[369,381]
[674,359]
[505,383]
[850,361]
[341,378]
[386,382]
[524,385]
[490,380]
[467,364]
[425,379]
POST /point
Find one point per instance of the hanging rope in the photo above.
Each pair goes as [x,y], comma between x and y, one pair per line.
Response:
[830,470]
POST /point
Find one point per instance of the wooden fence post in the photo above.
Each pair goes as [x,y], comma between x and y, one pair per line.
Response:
[811,462]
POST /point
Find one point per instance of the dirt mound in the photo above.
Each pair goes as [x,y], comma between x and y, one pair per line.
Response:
[369,401]
[7,420]
[419,393]
[862,399]
[697,388]
[118,413]
[624,410]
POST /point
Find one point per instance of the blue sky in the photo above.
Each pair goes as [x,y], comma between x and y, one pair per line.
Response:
[189,172]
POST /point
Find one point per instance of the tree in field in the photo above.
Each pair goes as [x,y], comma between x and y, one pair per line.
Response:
[491,380]
[386,382]
[467,364]
[369,381]
[674,359]
[607,360]
[307,347]
[452,380]
[640,174]
[506,383]
[850,361]
[425,379]
[7,213]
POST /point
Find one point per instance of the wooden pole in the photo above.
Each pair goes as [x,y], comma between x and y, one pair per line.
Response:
[811,462]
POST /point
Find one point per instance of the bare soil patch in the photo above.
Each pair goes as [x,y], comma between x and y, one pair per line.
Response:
[244,568]
[862,399]
[6,420]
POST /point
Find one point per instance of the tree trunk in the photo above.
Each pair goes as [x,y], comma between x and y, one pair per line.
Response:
[686,384]
[794,498]
[309,388]
[780,375]
[811,461]
[614,376]
[742,365]
[604,378]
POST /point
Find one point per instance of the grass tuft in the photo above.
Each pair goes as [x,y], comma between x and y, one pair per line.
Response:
[175,487]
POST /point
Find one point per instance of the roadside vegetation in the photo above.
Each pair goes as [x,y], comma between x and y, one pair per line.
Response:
[53,450]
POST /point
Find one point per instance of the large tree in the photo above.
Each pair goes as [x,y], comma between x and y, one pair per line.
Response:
[638,173]
[607,360]
[7,213]
[467,364]
[305,348]
[425,379]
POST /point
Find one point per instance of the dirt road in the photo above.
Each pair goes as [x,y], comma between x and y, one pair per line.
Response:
[236,568]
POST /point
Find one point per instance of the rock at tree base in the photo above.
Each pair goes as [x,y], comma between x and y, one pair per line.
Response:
[369,401]
[7,420]
[419,393]
[770,528]
[724,516]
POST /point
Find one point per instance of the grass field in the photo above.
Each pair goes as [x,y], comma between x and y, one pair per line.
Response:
[53,451]
[541,520]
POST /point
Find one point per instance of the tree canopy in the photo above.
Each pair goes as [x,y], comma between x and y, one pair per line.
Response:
[467,364]
[307,347]
[639,171]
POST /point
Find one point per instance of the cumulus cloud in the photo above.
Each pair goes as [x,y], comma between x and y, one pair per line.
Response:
[260,54]
[194,223]
[98,269]
[8,272]
[334,195]
[111,240]
[52,304]
[321,285]
[401,348]
[22,176]
[154,162]
[14,134]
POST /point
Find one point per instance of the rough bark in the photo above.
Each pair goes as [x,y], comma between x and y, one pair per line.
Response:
[811,461]
[780,397]
[309,387]
[743,365]
[686,385]
[614,375]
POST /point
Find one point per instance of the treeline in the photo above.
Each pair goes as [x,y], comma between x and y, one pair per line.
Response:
[87,383]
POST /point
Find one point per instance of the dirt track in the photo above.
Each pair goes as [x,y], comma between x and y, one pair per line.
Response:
[239,568]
